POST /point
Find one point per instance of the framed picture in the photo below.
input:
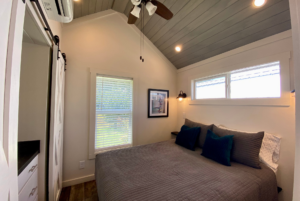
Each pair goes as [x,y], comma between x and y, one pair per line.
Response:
[158,103]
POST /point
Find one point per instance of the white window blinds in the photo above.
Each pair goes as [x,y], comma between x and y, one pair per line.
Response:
[211,88]
[261,82]
[113,127]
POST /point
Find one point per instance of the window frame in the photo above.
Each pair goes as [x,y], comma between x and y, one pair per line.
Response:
[250,68]
[118,111]
[94,72]
[209,78]
[283,101]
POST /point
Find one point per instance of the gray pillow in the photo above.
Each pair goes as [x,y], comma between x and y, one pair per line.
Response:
[203,131]
[246,146]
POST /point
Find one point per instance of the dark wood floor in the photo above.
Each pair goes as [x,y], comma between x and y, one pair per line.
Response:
[81,192]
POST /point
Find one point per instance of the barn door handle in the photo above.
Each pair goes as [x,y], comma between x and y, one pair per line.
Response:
[32,191]
[32,168]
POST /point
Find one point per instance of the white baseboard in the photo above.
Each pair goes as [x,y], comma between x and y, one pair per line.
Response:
[78,180]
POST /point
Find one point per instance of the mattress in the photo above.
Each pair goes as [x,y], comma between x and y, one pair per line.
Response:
[166,171]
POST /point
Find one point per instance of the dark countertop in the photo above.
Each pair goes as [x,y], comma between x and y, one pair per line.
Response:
[27,151]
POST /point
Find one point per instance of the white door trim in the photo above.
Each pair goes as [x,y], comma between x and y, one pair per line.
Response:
[10,90]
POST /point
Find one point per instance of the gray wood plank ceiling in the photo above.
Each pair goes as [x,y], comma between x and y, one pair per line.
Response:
[203,28]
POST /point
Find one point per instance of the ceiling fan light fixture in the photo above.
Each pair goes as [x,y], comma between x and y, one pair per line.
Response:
[151,8]
[136,2]
[136,11]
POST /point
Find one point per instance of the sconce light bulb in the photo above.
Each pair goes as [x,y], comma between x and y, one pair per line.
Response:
[180,99]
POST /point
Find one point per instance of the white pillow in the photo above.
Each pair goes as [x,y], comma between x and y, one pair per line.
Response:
[269,151]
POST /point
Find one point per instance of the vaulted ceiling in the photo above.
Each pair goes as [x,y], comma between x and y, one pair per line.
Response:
[203,28]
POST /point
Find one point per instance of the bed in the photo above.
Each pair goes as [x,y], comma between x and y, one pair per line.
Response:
[166,171]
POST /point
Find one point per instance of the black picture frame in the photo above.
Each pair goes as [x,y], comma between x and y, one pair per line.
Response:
[165,108]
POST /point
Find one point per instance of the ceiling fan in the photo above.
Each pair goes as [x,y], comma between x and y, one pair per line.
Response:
[153,6]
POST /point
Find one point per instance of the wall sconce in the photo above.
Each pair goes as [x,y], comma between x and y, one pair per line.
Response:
[181,96]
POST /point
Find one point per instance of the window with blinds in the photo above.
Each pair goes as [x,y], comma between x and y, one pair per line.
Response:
[257,82]
[113,126]
[262,81]
[211,88]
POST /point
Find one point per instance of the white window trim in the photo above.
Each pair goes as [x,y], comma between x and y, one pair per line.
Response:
[209,78]
[283,101]
[93,74]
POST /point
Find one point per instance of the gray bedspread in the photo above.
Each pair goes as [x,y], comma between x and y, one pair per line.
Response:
[166,171]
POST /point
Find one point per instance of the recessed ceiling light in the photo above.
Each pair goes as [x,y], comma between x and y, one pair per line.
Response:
[259,3]
[178,49]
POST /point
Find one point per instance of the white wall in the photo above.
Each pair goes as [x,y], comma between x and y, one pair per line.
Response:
[276,120]
[56,28]
[33,102]
[295,17]
[105,41]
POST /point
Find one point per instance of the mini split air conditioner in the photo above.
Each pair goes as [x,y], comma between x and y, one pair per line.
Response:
[59,10]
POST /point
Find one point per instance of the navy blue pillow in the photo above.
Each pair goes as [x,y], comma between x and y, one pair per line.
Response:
[218,148]
[187,137]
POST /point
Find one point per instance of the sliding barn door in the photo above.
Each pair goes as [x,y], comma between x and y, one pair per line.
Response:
[56,126]
[12,14]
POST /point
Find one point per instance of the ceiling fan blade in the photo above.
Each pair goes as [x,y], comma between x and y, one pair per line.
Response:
[162,10]
[131,18]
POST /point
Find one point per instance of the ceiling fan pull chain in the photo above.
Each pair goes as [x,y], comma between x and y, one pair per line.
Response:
[152,6]
[141,40]
[140,47]
[143,30]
